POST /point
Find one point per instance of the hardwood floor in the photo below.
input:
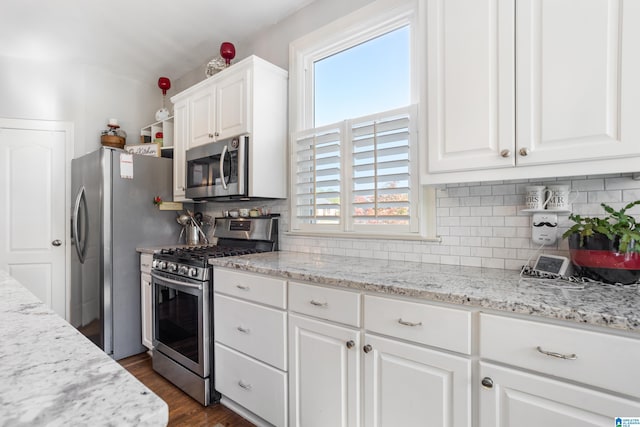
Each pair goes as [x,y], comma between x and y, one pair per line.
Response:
[183,411]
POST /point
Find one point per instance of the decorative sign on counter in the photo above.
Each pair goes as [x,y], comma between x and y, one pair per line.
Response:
[144,149]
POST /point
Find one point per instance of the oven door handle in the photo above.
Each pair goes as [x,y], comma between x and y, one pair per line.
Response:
[222,156]
[176,282]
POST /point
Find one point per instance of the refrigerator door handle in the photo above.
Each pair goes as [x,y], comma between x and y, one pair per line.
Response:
[81,201]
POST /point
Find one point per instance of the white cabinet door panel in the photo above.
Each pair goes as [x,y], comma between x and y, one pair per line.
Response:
[407,385]
[201,113]
[324,374]
[471,84]
[525,400]
[568,80]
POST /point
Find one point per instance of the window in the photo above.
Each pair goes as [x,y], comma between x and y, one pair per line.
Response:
[354,140]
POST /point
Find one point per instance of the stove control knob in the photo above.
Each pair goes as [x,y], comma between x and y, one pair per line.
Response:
[173,266]
[154,263]
[162,265]
[183,269]
[193,272]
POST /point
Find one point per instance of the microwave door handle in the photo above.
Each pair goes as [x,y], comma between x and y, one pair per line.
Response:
[222,156]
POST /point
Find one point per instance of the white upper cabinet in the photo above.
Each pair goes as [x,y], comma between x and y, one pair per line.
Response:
[202,119]
[231,105]
[570,81]
[471,84]
[573,100]
[250,97]
[180,138]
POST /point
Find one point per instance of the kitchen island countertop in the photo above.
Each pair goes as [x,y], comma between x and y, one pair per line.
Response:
[53,376]
[611,306]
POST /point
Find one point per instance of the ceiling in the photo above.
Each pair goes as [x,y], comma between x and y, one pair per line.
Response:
[142,39]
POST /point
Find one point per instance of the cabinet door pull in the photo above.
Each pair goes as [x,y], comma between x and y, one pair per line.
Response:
[405,323]
[318,304]
[558,355]
[242,287]
[243,330]
[505,153]
[367,348]
[487,382]
[244,385]
[350,344]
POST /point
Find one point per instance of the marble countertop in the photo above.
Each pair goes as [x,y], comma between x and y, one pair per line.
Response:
[53,376]
[611,306]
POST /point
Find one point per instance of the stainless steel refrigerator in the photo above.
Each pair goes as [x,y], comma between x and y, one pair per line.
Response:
[112,213]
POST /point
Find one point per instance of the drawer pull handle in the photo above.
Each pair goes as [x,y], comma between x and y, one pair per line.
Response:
[558,355]
[243,287]
[243,330]
[318,304]
[405,323]
[244,386]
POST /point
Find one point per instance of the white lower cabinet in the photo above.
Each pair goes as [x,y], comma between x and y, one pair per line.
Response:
[250,350]
[409,385]
[510,397]
[255,385]
[146,299]
[324,373]
[556,375]
[403,384]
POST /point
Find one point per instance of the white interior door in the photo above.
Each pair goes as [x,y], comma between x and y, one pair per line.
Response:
[32,209]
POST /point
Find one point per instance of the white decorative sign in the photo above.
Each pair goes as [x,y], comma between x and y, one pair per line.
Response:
[144,149]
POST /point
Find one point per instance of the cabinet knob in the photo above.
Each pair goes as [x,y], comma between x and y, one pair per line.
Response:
[210,136]
[217,134]
[56,242]
[350,344]
[524,152]
[367,348]
[487,383]
[505,153]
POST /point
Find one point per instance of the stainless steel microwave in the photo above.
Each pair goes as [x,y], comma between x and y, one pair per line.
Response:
[218,170]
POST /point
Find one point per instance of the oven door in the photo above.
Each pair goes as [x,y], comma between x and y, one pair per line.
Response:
[217,169]
[181,322]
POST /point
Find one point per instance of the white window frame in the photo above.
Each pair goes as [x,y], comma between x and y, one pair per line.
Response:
[376,19]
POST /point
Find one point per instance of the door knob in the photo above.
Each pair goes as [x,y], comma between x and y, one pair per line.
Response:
[367,348]
[350,344]
[524,152]
[56,242]
[505,153]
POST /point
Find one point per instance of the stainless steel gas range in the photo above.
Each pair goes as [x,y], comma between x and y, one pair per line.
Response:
[183,302]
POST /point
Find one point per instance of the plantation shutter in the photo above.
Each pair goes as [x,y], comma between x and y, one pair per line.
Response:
[318,176]
[381,170]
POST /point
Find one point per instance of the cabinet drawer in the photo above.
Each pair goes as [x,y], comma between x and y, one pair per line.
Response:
[442,327]
[325,303]
[252,287]
[145,263]
[602,360]
[253,329]
[254,385]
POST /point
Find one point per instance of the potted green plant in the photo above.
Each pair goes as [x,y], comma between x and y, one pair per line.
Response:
[607,248]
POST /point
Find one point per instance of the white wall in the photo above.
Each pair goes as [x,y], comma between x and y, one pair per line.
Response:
[272,44]
[82,94]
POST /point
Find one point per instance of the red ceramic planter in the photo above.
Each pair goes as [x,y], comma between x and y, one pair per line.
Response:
[598,259]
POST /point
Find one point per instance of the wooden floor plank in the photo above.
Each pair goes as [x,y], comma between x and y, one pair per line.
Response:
[183,410]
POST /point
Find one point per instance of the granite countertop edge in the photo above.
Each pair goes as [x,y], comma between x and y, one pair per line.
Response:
[610,306]
[53,375]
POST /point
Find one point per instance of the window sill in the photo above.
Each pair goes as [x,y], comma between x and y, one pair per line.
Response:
[348,235]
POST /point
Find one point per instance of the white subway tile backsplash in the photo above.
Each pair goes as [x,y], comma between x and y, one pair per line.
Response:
[481,223]
[611,196]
